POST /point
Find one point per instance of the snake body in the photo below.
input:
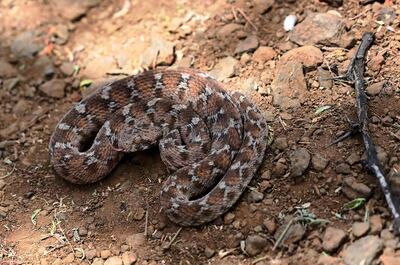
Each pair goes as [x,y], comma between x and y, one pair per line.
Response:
[212,141]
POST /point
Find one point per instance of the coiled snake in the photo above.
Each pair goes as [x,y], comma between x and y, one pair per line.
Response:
[212,141]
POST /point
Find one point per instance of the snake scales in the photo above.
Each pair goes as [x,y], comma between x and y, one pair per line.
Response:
[212,141]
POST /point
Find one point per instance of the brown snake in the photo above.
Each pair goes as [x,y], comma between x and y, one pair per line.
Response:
[213,142]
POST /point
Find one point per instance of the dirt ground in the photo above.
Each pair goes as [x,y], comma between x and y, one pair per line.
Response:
[46,220]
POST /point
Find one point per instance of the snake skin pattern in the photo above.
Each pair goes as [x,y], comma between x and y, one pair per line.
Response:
[212,141]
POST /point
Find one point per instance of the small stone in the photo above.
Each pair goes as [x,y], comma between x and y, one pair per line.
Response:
[44,65]
[322,28]
[57,261]
[354,189]
[353,158]
[309,56]
[333,239]
[359,229]
[324,78]
[343,168]
[90,254]
[299,161]
[25,45]
[376,224]
[363,251]
[54,88]
[7,70]
[264,54]
[225,68]
[139,214]
[254,244]
[160,49]
[387,259]
[375,89]
[244,58]
[255,196]
[67,68]
[262,6]
[382,155]
[229,218]
[69,258]
[387,235]
[208,252]
[319,163]
[295,233]
[21,107]
[129,258]
[247,45]
[281,143]
[228,29]
[98,261]
[270,225]
[82,231]
[104,254]
[135,240]
[329,260]
[99,66]
[113,261]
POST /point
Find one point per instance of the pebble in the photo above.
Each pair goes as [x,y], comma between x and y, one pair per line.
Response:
[254,244]
[255,196]
[376,224]
[90,254]
[98,67]
[353,189]
[135,240]
[73,10]
[7,70]
[264,54]
[375,88]
[69,258]
[225,68]
[25,45]
[229,218]
[333,238]
[343,168]
[390,259]
[54,88]
[98,261]
[60,34]
[208,252]
[359,229]
[319,163]
[67,68]
[129,258]
[82,231]
[164,49]
[299,161]
[249,44]
[324,78]
[321,28]
[270,225]
[281,143]
[289,88]
[308,55]
[228,29]
[245,58]
[104,254]
[21,107]
[353,158]
[363,251]
[113,261]
[262,6]
[44,65]
[329,260]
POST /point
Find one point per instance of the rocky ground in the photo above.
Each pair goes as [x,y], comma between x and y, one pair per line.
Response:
[296,210]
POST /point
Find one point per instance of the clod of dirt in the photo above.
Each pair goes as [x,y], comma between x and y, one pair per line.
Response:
[363,251]
[129,258]
[376,224]
[54,88]
[25,45]
[113,261]
[161,52]
[262,6]
[6,69]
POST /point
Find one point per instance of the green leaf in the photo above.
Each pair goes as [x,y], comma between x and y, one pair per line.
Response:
[85,83]
[322,109]
[76,68]
[354,204]
[34,215]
